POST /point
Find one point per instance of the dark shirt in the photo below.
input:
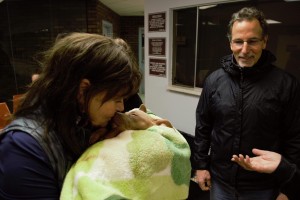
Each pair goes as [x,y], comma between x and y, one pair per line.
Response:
[25,165]
[133,101]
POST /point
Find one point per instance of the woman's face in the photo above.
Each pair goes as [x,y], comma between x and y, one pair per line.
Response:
[100,113]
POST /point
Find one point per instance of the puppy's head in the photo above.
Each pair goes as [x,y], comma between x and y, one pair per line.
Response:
[136,119]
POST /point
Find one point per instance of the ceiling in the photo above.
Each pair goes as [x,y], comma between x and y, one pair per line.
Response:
[125,7]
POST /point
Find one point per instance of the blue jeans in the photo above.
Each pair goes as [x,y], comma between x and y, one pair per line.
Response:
[222,191]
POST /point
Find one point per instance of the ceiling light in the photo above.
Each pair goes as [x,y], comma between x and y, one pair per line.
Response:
[206,7]
[208,23]
[271,21]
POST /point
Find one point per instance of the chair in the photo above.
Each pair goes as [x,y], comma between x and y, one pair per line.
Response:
[5,115]
[16,101]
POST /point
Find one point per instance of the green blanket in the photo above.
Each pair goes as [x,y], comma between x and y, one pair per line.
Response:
[137,164]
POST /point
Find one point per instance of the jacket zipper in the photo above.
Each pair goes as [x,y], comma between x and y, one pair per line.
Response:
[240,110]
[241,94]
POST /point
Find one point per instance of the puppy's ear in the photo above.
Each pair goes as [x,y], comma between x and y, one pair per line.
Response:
[143,108]
[163,121]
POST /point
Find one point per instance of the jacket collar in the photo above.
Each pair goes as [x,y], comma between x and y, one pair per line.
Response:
[264,64]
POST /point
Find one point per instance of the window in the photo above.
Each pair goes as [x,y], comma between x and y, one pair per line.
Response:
[107,28]
[199,38]
[184,46]
[28,27]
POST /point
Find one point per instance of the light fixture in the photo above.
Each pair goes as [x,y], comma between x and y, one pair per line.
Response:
[206,7]
[271,21]
[208,23]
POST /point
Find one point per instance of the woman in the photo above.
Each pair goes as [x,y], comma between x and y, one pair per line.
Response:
[83,84]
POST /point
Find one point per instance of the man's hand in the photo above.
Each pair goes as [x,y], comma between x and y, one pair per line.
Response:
[264,162]
[203,179]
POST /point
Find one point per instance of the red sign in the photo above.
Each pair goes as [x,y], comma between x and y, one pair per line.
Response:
[157,22]
[157,46]
[157,67]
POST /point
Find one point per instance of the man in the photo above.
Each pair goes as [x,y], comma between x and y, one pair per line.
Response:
[246,103]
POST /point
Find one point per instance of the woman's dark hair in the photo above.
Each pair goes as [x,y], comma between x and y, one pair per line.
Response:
[106,64]
[248,13]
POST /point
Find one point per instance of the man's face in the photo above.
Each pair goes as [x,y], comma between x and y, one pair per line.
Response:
[247,42]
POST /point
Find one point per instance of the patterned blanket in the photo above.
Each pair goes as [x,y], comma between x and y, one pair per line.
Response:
[137,164]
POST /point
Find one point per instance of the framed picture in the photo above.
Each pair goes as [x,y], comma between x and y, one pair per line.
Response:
[107,28]
[157,46]
[157,22]
[157,67]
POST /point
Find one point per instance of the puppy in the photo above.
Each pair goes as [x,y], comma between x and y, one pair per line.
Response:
[145,158]
[135,119]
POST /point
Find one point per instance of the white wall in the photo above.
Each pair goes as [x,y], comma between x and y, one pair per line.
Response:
[177,107]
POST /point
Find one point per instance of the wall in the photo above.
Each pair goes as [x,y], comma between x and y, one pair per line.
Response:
[125,27]
[28,27]
[130,30]
[97,12]
[179,108]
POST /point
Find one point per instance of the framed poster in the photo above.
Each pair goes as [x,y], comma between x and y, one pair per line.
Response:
[157,67]
[107,28]
[157,46]
[157,22]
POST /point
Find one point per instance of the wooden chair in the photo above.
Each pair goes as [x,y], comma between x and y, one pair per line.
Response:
[16,101]
[5,115]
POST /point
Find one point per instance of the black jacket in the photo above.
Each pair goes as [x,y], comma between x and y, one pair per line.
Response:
[288,175]
[243,108]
